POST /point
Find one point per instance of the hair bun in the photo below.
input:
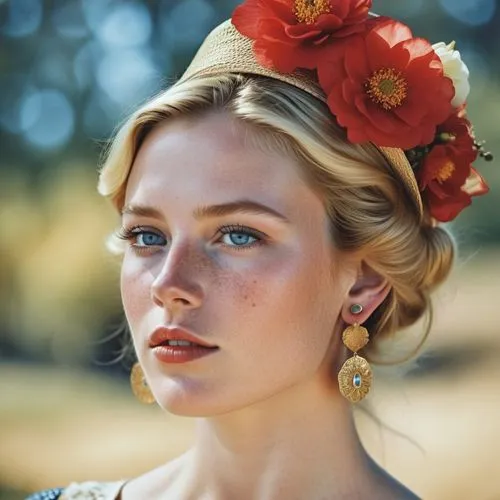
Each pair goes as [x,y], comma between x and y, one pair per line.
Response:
[409,300]
[439,256]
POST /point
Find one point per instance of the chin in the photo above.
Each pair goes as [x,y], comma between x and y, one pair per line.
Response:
[191,407]
[188,398]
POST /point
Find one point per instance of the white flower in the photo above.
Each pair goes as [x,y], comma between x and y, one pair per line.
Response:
[455,69]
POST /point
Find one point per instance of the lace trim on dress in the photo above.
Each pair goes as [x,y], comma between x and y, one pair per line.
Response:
[52,494]
[92,490]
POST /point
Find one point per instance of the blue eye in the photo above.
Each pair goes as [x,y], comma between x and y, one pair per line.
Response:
[149,239]
[241,237]
[141,238]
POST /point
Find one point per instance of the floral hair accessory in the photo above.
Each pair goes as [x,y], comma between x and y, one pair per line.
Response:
[290,35]
[445,173]
[383,85]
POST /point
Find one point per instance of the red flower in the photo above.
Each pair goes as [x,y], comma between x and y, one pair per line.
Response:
[446,176]
[288,34]
[386,87]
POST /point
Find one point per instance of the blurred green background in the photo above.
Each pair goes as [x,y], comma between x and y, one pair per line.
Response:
[70,71]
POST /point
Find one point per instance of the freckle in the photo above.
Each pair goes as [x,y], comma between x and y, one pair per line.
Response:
[253,304]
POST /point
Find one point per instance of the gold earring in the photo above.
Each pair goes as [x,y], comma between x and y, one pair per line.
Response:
[139,385]
[355,376]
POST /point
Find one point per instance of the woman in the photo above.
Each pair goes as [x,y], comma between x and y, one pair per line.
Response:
[285,191]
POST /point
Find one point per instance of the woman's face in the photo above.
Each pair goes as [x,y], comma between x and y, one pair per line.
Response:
[266,289]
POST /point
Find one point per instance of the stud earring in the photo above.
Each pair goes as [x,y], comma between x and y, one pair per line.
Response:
[355,377]
[139,385]
[356,309]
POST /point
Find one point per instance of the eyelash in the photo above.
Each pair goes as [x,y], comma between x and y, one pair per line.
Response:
[129,234]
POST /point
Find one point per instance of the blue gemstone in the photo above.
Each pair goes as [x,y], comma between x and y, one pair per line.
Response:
[356,380]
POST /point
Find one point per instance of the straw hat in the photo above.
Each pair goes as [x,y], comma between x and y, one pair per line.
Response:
[225,50]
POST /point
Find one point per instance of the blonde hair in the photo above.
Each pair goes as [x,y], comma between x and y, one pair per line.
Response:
[370,211]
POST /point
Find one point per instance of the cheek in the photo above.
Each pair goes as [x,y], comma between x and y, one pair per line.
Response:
[308,286]
[308,308]
[289,303]
[134,287]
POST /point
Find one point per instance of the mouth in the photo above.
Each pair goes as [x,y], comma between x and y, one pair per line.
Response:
[173,345]
[177,337]
[184,343]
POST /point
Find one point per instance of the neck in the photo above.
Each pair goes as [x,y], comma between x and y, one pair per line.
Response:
[300,444]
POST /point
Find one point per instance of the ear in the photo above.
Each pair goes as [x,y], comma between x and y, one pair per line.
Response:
[369,290]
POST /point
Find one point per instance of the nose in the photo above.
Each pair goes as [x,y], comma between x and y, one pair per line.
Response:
[177,285]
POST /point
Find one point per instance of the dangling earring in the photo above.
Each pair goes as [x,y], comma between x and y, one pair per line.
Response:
[139,385]
[355,376]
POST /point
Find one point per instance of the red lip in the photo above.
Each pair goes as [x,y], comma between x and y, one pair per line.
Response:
[162,334]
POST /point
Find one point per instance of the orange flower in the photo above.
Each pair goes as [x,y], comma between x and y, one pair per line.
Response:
[386,87]
[446,177]
[289,34]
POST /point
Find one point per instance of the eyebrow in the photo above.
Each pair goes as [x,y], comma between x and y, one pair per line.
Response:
[207,211]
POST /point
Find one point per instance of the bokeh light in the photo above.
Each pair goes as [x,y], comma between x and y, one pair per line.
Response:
[126,25]
[23,18]
[47,118]
[69,22]
[127,76]
[188,23]
[472,12]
